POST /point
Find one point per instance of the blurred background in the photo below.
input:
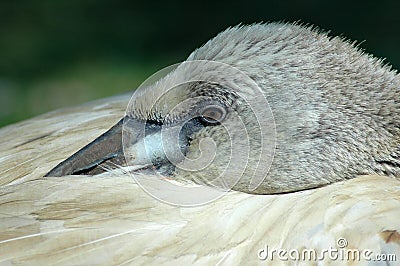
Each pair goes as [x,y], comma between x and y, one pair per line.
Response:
[60,53]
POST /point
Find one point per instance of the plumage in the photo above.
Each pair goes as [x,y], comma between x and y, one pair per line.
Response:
[326,112]
[109,219]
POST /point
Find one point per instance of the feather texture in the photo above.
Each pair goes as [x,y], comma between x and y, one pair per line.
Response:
[107,220]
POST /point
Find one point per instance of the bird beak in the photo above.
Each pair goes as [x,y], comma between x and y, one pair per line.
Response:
[95,157]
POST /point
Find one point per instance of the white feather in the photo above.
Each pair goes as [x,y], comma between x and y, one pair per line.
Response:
[109,220]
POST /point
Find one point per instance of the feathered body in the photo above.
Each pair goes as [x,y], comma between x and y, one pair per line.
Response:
[108,219]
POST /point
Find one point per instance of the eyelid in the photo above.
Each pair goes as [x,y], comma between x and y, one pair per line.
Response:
[209,120]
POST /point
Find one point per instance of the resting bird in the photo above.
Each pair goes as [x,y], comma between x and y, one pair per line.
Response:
[263,109]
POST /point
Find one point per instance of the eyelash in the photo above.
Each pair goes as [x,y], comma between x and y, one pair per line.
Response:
[207,122]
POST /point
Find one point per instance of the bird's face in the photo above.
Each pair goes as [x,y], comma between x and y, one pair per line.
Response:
[205,122]
[261,109]
[194,126]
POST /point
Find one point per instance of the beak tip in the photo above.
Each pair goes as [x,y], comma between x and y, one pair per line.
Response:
[88,160]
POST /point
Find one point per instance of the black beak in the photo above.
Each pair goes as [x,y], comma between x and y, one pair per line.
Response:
[147,144]
[103,153]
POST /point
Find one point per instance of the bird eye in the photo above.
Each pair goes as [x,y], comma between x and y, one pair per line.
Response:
[213,114]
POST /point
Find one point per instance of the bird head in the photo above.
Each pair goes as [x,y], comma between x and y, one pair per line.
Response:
[267,108]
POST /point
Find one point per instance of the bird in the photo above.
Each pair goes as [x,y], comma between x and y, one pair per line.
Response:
[308,125]
[334,111]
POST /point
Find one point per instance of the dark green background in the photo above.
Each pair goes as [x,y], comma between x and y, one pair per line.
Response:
[60,53]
